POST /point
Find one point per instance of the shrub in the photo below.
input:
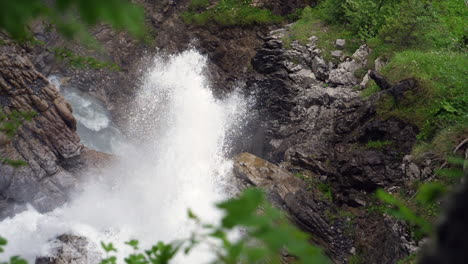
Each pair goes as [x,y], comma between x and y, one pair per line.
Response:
[332,11]
[366,17]
[409,24]
[451,30]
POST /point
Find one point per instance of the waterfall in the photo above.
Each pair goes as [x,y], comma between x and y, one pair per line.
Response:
[174,159]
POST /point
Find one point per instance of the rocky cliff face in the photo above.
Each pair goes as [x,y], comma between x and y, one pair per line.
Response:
[305,208]
[311,125]
[313,121]
[48,144]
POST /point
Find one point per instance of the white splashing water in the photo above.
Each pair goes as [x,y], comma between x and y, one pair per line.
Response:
[176,162]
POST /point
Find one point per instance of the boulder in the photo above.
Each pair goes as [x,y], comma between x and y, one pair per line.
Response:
[337,54]
[364,81]
[313,40]
[303,77]
[344,73]
[320,68]
[340,43]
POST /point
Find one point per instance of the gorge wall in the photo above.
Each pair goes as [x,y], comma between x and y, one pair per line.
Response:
[48,143]
[311,126]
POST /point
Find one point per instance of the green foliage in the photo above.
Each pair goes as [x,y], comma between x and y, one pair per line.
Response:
[451,31]
[371,89]
[14,259]
[295,15]
[367,17]
[411,259]
[310,24]
[360,73]
[456,172]
[397,24]
[441,99]
[160,253]
[314,184]
[332,11]
[420,209]
[355,259]
[266,232]
[399,209]
[430,192]
[363,17]
[83,61]
[378,144]
[232,13]
[408,23]
[196,5]
[326,190]
[71,17]
[9,123]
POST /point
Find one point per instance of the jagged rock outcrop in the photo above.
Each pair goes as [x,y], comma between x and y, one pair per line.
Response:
[304,207]
[330,132]
[66,249]
[344,74]
[309,125]
[46,143]
[375,238]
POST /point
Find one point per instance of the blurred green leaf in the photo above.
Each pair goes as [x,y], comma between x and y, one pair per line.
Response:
[430,192]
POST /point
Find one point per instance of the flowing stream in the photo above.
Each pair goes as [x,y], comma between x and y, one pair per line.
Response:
[173,159]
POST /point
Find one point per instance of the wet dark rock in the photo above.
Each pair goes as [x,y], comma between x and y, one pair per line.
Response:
[320,68]
[304,208]
[66,249]
[379,239]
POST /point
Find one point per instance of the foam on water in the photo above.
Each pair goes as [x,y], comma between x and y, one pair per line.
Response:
[176,161]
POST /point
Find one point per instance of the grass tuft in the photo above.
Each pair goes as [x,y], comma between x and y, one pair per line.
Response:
[231,13]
